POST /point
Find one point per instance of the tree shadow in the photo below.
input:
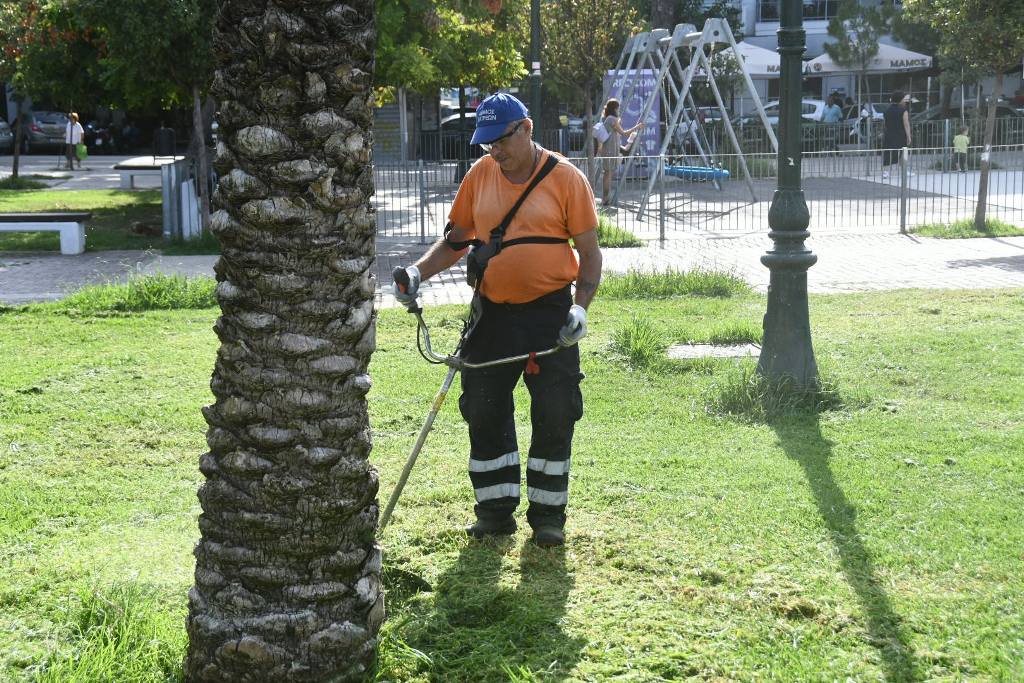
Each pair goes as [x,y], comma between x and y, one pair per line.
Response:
[802,441]
[1013,264]
[484,628]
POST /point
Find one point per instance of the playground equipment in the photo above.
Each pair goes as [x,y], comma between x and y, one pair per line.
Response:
[697,173]
[659,53]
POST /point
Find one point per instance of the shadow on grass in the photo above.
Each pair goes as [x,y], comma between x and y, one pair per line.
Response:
[802,441]
[482,628]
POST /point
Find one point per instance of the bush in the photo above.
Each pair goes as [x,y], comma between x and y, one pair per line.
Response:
[147,293]
[640,343]
[21,183]
[745,394]
[612,236]
[638,285]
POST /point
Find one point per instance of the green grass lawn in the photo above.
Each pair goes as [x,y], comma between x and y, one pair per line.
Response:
[965,229]
[114,213]
[878,540]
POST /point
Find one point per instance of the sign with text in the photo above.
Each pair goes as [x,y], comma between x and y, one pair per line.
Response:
[642,83]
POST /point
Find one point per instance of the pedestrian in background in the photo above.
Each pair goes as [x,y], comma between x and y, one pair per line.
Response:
[960,144]
[832,113]
[612,147]
[897,130]
[72,138]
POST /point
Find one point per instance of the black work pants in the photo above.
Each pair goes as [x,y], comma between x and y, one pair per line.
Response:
[487,406]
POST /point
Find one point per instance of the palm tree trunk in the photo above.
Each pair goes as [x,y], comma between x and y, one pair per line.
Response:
[986,156]
[287,580]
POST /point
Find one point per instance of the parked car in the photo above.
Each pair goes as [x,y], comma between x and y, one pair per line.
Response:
[6,138]
[46,130]
[457,130]
[810,110]
[936,113]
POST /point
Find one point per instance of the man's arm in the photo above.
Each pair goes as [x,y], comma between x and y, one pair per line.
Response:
[440,256]
[589,276]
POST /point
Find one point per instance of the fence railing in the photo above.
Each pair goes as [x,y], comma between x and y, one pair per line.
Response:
[846,190]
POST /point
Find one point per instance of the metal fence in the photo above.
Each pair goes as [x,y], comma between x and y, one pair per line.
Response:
[433,146]
[845,189]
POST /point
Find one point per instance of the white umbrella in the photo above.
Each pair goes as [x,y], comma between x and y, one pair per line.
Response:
[890,59]
[759,62]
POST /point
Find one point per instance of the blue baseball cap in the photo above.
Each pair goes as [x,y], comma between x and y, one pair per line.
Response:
[493,116]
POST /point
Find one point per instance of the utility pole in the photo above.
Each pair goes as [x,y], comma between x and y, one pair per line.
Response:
[786,351]
[535,78]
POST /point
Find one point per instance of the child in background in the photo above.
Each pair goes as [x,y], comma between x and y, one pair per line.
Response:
[960,144]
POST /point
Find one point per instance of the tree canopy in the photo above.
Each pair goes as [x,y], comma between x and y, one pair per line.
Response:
[424,45]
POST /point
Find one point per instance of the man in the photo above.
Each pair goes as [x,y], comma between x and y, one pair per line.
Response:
[897,131]
[527,305]
[832,113]
[73,133]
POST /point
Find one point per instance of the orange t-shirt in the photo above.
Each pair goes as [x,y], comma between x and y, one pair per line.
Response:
[562,205]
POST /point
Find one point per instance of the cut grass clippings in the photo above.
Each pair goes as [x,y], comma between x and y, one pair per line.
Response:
[966,229]
[876,540]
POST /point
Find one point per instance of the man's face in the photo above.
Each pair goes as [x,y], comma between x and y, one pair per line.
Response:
[514,146]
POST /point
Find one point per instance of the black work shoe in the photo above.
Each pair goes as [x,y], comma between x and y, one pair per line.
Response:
[548,536]
[492,527]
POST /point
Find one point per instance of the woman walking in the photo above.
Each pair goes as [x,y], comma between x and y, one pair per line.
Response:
[612,147]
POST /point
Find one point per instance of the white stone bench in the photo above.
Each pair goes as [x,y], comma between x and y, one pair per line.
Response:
[136,166]
[70,225]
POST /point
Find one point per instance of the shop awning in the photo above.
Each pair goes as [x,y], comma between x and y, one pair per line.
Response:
[890,59]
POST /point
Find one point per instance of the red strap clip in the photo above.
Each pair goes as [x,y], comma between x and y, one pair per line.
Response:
[532,368]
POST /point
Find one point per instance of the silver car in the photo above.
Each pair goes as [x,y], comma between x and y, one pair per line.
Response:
[47,129]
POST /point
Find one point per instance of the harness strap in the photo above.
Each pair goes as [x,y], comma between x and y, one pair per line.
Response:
[534,240]
[458,246]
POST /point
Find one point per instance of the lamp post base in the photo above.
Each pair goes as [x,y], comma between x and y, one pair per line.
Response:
[786,350]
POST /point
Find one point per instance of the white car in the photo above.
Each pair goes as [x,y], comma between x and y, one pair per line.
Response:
[810,110]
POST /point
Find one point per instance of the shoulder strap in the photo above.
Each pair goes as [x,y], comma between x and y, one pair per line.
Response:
[548,166]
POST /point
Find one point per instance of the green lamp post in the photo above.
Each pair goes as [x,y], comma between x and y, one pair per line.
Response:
[535,77]
[786,351]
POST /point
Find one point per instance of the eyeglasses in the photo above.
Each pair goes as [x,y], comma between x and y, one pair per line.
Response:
[486,146]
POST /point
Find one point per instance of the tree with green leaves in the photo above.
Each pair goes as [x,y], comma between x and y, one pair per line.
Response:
[582,40]
[287,580]
[983,34]
[49,53]
[429,44]
[857,29]
[157,54]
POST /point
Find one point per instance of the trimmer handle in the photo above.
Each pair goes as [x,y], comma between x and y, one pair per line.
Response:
[401,278]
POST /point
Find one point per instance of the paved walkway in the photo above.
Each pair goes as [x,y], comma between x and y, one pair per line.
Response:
[846,263]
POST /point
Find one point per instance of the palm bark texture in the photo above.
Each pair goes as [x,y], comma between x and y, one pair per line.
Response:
[287,580]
